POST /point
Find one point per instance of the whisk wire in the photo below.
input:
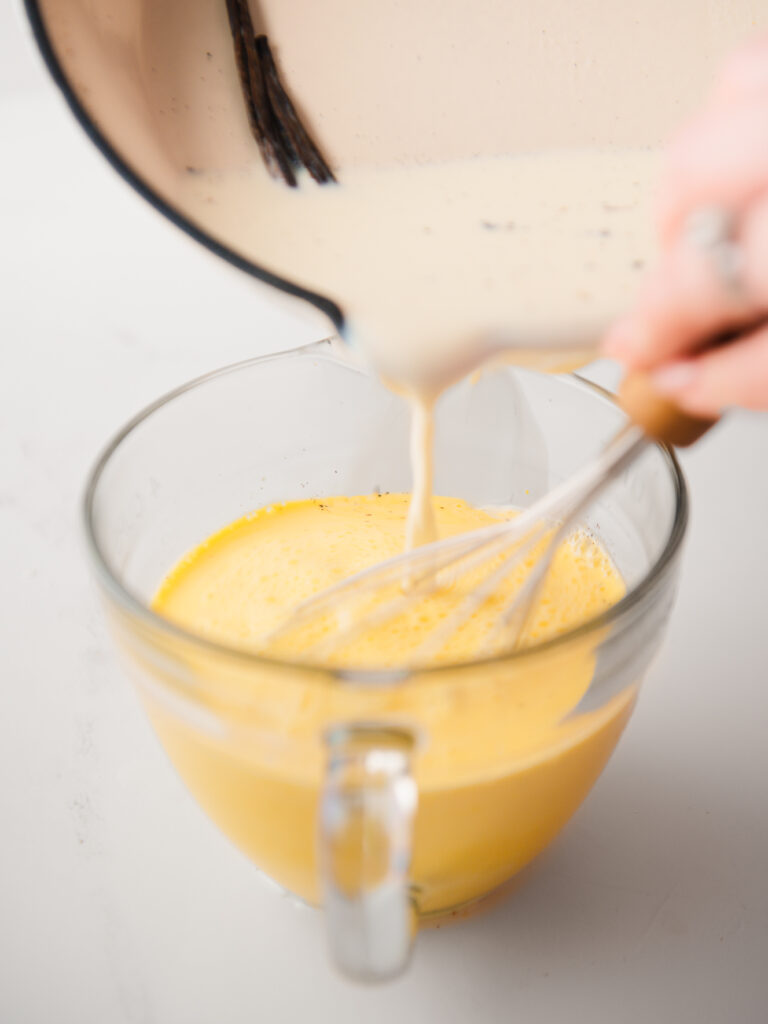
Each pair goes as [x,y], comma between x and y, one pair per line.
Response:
[477,598]
[618,454]
[556,514]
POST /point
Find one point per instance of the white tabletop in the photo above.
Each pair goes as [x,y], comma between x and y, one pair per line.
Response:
[119,901]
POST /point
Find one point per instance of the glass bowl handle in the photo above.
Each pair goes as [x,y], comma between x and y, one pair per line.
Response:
[367,810]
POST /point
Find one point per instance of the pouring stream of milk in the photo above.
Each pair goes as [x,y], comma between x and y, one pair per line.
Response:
[421,527]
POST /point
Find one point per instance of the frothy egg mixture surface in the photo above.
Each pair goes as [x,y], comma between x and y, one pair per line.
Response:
[243,582]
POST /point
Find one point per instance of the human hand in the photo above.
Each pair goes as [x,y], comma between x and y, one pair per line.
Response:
[718,163]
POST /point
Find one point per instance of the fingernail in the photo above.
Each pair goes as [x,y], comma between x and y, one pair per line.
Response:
[671,380]
[625,339]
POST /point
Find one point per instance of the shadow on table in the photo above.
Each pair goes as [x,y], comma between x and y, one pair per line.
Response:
[657,864]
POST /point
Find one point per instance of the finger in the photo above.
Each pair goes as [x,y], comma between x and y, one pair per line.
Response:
[744,74]
[720,159]
[736,374]
[687,301]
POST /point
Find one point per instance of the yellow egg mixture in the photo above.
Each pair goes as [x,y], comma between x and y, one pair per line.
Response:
[502,762]
[242,583]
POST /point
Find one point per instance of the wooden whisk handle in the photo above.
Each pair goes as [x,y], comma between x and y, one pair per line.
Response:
[659,417]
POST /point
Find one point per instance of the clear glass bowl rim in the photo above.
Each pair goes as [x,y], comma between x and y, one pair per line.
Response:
[136,607]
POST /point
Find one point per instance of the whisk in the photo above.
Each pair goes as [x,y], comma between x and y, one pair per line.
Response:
[538,530]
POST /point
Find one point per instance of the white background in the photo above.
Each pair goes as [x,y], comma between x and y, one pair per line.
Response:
[119,902]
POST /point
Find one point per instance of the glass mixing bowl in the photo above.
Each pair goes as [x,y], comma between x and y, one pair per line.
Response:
[386,796]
